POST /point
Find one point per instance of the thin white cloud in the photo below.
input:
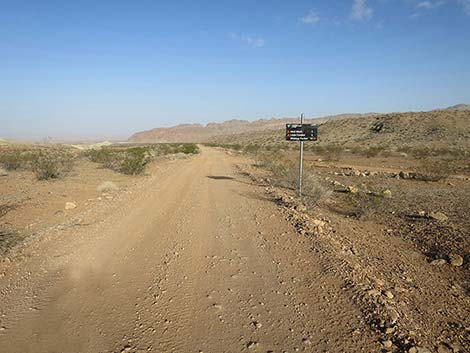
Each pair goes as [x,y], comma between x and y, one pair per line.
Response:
[429,5]
[311,18]
[425,6]
[361,11]
[254,42]
[466,6]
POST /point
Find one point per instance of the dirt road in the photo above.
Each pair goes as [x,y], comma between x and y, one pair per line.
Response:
[195,261]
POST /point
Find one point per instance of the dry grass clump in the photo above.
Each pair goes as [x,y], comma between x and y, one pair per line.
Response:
[107,186]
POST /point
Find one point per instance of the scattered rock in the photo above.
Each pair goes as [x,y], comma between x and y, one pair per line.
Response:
[318,223]
[387,344]
[438,216]
[455,260]
[252,345]
[443,349]
[418,350]
[373,292]
[404,175]
[352,189]
[438,262]
[389,294]
[3,172]
[387,194]
[70,206]
[217,306]
[306,341]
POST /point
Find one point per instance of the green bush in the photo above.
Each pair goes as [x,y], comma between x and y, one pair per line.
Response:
[190,148]
[134,161]
[131,161]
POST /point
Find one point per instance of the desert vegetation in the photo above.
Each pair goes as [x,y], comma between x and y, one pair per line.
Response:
[56,162]
[133,159]
[46,163]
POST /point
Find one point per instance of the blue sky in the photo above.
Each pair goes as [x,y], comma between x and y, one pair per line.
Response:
[111,67]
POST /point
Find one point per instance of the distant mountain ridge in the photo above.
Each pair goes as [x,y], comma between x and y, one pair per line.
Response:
[200,133]
[459,107]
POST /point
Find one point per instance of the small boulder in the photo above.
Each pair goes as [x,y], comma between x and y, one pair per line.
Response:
[455,260]
[70,206]
[387,194]
[404,175]
[3,172]
[438,216]
[419,350]
[443,349]
[438,262]
[352,189]
[318,222]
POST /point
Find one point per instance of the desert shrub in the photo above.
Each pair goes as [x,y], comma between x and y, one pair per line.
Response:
[421,152]
[251,148]
[52,164]
[332,153]
[431,169]
[5,208]
[189,148]
[134,161]
[373,151]
[314,192]
[8,239]
[15,160]
[131,161]
[363,206]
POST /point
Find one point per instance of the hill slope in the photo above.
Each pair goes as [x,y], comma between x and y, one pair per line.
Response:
[445,128]
[461,107]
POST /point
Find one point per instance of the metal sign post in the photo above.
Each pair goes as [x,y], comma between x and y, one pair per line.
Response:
[301,161]
[301,132]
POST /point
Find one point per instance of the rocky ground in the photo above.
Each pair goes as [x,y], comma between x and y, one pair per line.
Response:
[401,245]
[208,254]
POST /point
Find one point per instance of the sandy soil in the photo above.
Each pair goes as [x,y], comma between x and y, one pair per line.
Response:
[194,258]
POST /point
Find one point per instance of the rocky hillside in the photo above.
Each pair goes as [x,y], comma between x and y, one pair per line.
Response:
[443,128]
[461,107]
[200,133]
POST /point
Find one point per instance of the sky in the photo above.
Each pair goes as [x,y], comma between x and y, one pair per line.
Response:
[114,67]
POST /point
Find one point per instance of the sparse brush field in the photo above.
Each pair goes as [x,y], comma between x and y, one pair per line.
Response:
[386,187]
[386,208]
[37,181]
